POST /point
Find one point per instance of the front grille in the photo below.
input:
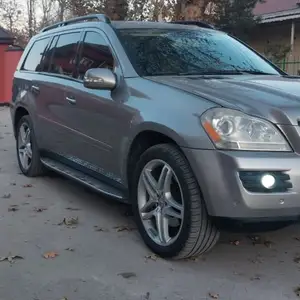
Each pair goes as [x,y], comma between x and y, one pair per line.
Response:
[251,181]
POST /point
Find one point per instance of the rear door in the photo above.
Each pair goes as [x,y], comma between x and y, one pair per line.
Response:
[32,79]
[53,109]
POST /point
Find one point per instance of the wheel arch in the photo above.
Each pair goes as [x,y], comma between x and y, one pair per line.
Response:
[20,112]
[147,135]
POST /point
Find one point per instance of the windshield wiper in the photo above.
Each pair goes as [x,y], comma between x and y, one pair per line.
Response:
[256,72]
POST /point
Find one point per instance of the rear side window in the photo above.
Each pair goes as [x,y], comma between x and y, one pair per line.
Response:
[33,59]
[64,57]
[95,54]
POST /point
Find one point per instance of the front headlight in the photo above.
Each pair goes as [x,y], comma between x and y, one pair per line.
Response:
[233,130]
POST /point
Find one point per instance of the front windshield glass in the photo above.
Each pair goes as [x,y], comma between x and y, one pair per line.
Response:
[155,52]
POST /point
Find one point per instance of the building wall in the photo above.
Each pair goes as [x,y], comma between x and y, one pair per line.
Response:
[272,35]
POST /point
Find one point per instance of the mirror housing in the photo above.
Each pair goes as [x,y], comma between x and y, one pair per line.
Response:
[99,78]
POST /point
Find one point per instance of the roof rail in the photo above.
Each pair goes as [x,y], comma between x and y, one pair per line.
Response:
[95,17]
[196,23]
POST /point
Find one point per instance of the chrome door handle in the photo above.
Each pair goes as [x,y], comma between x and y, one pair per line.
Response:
[35,88]
[71,100]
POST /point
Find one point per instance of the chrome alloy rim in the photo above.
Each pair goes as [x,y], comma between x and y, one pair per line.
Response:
[24,146]
[160,202]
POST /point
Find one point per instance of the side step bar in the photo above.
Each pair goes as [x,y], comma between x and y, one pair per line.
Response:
[84,179]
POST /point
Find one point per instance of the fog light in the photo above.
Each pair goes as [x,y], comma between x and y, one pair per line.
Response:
[268,181]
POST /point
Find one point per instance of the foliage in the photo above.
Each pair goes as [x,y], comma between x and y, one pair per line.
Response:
[235,16]
[277,52]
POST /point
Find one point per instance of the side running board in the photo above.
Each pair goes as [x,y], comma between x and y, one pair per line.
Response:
[84,179]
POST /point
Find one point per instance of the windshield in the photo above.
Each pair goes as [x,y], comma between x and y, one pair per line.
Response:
[154,52]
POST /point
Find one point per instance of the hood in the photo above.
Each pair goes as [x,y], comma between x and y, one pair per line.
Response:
[274,98]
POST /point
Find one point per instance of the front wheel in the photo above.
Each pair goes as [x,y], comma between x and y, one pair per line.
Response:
[169,210]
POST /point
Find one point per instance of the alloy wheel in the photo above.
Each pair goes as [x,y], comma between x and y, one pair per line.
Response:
[24,146]
[160,202]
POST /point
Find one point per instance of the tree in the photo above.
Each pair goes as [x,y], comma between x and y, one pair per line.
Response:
[235,16]
[10,11]
[190,9]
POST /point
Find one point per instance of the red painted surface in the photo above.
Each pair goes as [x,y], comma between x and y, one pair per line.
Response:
[3,47]
[11,59]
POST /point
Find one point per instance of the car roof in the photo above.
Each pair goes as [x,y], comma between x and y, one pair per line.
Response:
[153,25]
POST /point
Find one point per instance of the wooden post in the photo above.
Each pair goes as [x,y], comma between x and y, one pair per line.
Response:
[292,38]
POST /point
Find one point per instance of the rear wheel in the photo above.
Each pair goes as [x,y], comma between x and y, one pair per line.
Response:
[168,207]
[27,150]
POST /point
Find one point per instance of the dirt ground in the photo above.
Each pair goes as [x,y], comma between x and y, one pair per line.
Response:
[102,256]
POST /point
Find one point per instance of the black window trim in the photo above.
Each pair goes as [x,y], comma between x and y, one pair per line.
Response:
[72,78]
[52,36]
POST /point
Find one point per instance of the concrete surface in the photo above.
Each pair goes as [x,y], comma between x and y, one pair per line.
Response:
[238,271]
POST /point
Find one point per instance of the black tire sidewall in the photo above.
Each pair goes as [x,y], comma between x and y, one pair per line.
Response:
[35,161]
[162,153]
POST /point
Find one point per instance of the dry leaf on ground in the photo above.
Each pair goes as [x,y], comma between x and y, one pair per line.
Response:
[13,183]
[151,257]
[6,196]
[146,296]
[73,208]
[297,291]
[11,258]
[124,228]
[39,209]
[127,275]
[213,295]
[235,243]
[27,185]
[50,254]
[70,249]
[100,229]
[297,259]
[70,221]
[13,207]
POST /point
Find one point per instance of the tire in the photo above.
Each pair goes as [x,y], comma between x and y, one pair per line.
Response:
[197,234]
[36,167]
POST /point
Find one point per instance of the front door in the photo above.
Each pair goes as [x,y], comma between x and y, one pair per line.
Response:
[95,114]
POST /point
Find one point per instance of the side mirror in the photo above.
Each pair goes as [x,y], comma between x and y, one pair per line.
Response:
[102,79]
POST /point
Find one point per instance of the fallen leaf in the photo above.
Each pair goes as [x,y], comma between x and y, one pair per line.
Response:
[28,196]
[25,203]
[213,295]
[39,209]
[297,259]
[13,183]
[64,298]
[151,257]
[146,296]
[235,243]
[124,228]
[70,249]
[69,221]
[100,229]
[6,196]
[72,208]
[11,258]
[50,254]
[193,258]
[297,291]
[127,275]
[27,185]
[254,278]
[13,208]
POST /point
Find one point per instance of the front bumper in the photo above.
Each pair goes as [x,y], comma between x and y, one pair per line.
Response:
[217,173]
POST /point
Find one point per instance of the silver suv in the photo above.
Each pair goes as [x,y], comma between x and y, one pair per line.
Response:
[187,124]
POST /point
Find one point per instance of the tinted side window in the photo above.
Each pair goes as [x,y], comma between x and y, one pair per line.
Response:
[35,54]
[95,54]
[64,57]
